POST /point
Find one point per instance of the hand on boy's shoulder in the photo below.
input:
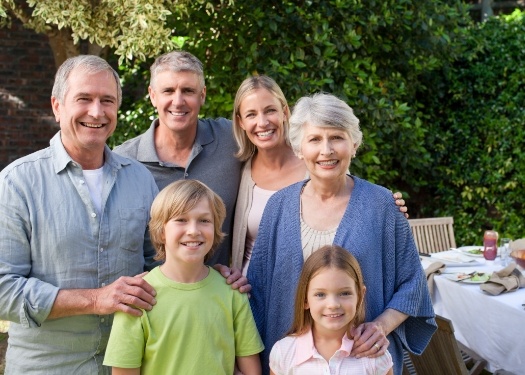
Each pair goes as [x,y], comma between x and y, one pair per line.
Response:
[234,278]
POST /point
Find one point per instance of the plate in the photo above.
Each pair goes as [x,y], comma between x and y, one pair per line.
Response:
[453,258]
[466,250]
[466,278]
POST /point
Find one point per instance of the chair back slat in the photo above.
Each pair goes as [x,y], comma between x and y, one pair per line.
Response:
[443,354]
[433,235]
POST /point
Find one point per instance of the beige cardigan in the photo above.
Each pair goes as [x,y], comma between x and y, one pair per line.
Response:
[242,210]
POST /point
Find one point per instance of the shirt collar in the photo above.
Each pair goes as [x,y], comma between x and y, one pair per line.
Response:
[62,159]
[305,349]
[146,149]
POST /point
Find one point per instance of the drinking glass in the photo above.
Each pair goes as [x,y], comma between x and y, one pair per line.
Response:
[504,251]
[490,245]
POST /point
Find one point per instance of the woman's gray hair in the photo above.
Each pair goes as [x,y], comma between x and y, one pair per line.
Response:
[324,111]
[177,61]
[90,64]
[249,85]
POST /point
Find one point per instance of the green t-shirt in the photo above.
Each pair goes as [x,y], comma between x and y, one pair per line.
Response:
[196,328]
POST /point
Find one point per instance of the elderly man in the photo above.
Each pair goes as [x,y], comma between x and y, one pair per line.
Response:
[179,145]
[74,232]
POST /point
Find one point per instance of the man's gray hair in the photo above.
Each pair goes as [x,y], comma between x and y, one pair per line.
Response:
[177,61]
[90,64]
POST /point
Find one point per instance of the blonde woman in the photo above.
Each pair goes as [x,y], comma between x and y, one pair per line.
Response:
[260,126]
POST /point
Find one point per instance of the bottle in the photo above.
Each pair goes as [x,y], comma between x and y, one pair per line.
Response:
[490,244]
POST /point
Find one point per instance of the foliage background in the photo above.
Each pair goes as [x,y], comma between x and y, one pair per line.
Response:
[369,53]
[477,113]
[440,98]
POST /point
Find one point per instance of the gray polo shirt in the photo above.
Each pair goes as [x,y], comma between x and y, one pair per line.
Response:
[211,161]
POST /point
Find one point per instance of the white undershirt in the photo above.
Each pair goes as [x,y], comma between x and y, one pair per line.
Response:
[93,179]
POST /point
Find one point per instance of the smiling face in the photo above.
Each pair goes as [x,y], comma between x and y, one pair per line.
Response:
[88,113]
[189,237]
[178,97]
[332,299]
[261,115]
[327,152]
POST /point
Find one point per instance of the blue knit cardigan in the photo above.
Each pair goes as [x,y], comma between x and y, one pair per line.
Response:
[376,233]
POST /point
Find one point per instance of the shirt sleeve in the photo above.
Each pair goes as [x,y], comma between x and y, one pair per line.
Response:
[247,339]
[126,342]
[25,300]
[276,359]
[383,363]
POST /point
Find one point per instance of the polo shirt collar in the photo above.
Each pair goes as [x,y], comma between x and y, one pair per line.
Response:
[305,348]
[146,150]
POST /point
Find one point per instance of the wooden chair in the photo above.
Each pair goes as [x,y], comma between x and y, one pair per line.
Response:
[434,234]
[445,355]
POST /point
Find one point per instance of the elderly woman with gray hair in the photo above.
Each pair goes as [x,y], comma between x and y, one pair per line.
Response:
[334,207]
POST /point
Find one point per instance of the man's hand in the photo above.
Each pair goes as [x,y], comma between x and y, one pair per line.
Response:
[126,294]
[234,278]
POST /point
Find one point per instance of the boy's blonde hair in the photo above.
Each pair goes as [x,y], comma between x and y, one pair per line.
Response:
[327,257]
[178,198]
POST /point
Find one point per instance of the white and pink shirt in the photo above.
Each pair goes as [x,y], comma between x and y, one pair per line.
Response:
[296,355]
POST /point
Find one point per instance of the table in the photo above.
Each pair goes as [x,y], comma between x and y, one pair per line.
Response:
[492,326]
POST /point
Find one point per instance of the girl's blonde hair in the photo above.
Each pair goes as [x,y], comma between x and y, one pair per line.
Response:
[331,257]
[250,84]
[178,198]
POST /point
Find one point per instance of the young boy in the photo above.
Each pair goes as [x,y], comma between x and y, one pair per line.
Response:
[199,324]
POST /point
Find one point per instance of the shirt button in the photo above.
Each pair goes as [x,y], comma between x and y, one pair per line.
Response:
[101,249]
[102,320]
[82,182]
[186,174]
[103,284]
[93,214]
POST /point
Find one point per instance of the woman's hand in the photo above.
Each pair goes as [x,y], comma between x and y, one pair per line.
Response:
[234,278]
[369,340]
[400,202]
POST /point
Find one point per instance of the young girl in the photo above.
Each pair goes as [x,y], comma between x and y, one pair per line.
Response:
[199,325]
[329,302]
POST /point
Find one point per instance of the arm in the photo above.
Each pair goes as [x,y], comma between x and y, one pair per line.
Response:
[367,335]
[249,365]
[234,278]
[122,295]
[125,371]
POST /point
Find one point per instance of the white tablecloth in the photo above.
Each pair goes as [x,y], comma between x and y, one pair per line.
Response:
[492,326]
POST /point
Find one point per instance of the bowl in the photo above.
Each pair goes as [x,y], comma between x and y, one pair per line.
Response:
[518,256]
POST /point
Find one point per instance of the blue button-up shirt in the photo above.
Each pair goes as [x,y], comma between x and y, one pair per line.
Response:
[52,238]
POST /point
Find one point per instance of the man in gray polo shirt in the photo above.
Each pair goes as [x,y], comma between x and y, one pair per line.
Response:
[179,145]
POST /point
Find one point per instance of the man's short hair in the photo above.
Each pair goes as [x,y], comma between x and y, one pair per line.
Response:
[90,64]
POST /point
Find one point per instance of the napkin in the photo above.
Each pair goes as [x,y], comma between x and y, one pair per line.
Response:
[506,280]
[435,268]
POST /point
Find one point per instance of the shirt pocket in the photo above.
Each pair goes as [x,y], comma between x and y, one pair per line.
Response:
[133,222]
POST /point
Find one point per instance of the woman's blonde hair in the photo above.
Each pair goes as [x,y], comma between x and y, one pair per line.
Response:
[246,147]
[178,198]
[327,257]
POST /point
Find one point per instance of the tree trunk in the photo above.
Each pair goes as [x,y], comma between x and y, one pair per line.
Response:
[61,43]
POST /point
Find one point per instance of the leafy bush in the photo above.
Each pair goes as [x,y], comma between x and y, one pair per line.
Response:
[478,129]
[369,53]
